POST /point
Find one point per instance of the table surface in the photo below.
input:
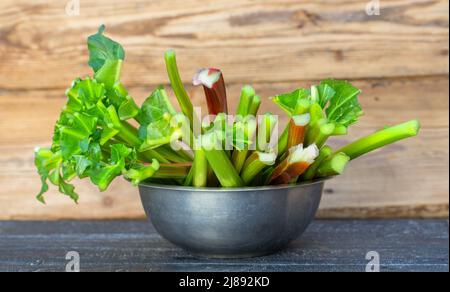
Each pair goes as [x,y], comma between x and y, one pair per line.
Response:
[402,245]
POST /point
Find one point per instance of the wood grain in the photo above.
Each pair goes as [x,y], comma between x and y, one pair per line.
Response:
[252,41]
[326,246]
[399,58]
[407,179]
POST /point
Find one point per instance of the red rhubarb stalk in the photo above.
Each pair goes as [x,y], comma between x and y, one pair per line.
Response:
[297,130]
[214,86]
[297,162]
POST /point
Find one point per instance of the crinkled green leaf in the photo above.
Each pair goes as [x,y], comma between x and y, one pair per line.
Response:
[106,57]
[103,49]
[105,172]
[69,190]
[159,133]
[326,93]
[344,107]
[68,171]
[49,164]
[108,134]
[157,121]
[128,109]
[289,101]
[79,128]
[83,95]
[82,164]
[157,106]
[103,176]
[119,153]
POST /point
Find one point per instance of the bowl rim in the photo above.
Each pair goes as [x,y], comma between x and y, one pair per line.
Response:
[242,189]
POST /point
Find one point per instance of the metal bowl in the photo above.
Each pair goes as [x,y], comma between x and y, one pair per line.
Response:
[231,223]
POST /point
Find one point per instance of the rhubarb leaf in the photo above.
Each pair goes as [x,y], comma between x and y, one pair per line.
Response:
[325,94]
[103,49]
[156,107]
[290,102]
[344,107]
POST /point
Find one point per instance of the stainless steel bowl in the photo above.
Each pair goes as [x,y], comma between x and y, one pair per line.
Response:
[231,223]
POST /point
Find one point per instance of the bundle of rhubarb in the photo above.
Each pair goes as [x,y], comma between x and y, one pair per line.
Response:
[102,133]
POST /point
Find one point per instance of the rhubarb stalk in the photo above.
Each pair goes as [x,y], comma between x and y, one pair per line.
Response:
[310,174]
[200,168]
[178,87]
[254,105]
[220,162]
[265,130]
[297,162]
[255,164]
[214,86]
[297,130]
[245,101]
[381,138]
[333,165]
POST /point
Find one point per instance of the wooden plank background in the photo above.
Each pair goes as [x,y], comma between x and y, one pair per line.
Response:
[400,59]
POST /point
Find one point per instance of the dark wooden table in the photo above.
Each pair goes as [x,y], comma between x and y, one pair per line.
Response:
[403,245]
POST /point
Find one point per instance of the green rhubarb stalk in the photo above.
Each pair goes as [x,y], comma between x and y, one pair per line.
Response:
[333,165]
[172,155]
[220,162]
[200,168]
[255,164]
[254,105]
[283,141]
[265,130]
[178,87]
[240,153]
[189,181]
[136,176]
[324,133]
[316,113]
[381,138]
[340,130]
[319,133]
[173,171]
[302,107]
[315,94]
[247,94]
[311,172]
[149,155]
[238,158]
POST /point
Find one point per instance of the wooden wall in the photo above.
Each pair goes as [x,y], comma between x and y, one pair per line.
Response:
[400,59]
